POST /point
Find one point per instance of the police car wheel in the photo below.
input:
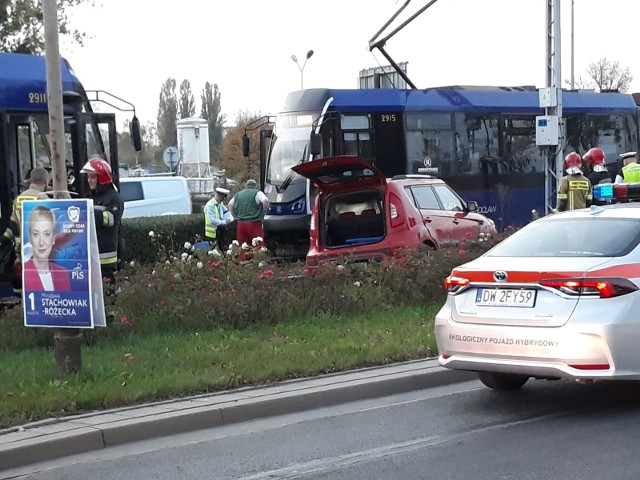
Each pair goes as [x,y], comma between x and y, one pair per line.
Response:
[504,382]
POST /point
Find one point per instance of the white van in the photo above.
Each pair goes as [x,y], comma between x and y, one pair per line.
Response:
[154,196]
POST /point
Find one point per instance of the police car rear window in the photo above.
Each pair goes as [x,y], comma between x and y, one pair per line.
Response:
[576,237]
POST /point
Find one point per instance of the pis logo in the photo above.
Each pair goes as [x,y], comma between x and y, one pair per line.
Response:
[73,213]
[77,272]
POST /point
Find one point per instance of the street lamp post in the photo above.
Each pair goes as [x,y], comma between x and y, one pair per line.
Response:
[301,68]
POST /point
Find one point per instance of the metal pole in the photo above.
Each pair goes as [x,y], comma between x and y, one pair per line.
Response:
[553,172]
[67,342]
[557,83]
[572,48]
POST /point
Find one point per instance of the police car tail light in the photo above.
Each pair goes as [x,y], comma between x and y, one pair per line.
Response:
[455,284]
[592,287]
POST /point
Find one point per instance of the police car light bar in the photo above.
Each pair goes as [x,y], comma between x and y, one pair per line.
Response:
[617,191]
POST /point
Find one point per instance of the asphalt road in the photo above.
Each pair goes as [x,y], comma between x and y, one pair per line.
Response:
[548,430]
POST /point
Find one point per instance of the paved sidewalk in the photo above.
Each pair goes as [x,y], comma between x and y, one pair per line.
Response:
[56,438]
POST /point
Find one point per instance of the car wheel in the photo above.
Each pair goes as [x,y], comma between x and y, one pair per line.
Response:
[504,382]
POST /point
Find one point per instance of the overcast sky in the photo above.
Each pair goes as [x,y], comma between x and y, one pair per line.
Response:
[245,46]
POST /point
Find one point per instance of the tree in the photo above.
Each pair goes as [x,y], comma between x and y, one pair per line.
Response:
[168,115]
[231,158]
[606,75]
[151,153]
[187,104]
[210,111]
[22,29]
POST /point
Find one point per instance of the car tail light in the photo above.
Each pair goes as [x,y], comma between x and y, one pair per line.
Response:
[396,212]
[455,284]
[592,287]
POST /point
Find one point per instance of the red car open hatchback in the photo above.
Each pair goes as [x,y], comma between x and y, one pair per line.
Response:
[360,213]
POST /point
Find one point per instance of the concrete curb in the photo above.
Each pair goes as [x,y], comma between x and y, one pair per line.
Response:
[52,439]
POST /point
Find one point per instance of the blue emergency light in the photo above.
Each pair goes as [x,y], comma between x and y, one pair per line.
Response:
[603,191]
[618,191]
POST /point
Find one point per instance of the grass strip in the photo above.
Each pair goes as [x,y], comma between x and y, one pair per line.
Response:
[142,369]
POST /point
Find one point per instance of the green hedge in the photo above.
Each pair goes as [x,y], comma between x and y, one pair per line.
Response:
[170,232]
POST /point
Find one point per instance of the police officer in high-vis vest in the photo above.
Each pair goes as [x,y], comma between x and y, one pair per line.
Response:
[216,217]
[574,190]
[630,171]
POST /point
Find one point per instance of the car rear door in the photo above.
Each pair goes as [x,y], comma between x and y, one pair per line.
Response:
[344,173]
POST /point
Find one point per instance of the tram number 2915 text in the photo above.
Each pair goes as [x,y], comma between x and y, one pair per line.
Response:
[37,97]
[388,117]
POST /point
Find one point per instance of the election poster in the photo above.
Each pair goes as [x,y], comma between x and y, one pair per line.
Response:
[59,255]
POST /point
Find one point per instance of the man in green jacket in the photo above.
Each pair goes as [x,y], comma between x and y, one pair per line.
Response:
[248,207]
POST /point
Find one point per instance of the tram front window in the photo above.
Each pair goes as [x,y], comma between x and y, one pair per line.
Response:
[289,148]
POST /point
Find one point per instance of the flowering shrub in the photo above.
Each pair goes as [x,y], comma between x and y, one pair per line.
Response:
[196,289]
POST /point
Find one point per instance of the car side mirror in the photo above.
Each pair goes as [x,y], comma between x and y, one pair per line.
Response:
[315,144]
[472,206]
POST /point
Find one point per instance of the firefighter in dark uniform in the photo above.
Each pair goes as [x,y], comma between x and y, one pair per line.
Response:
[599,173]
[574,190]
[595,159]
[108,209]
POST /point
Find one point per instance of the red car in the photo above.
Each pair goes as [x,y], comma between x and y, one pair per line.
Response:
[360,213]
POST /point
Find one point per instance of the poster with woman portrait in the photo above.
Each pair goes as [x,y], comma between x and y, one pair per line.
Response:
[56,264]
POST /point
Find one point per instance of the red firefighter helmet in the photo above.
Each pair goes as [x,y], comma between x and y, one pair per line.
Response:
[573,163]
[100,167]
[594,156]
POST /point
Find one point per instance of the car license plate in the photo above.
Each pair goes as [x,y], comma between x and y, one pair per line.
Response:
[505,297]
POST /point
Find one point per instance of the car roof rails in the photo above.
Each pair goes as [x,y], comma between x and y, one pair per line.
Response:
[410,176]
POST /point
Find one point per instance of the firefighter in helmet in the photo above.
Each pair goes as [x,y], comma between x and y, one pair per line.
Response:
[594,158]
[574,190]
[108,209]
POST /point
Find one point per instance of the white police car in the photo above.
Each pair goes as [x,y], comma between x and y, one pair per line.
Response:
[559,298]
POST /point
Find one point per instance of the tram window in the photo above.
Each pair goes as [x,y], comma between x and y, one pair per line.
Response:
[477,144]
[430,151]
[358,143]
[356,136]
[421,121]
[429,141]
[354,122]
[25,150]
[520,152]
